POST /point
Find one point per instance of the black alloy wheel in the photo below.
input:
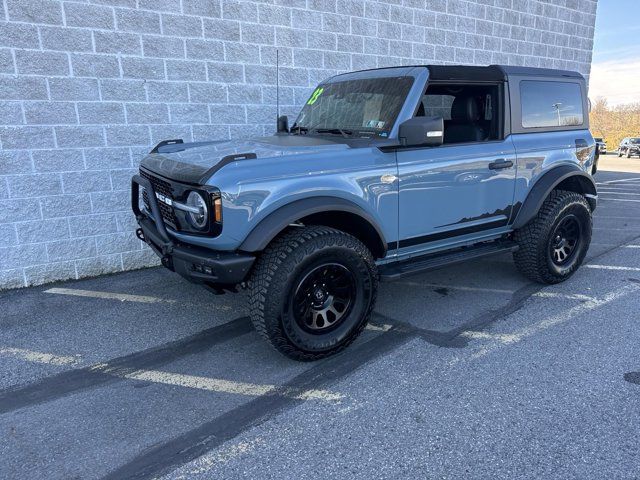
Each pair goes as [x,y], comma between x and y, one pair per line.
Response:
[324,297]
[564,240]
[312,291]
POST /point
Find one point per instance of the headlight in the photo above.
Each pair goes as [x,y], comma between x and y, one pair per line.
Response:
[199,219]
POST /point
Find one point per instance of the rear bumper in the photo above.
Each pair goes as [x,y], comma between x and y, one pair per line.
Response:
[196,264]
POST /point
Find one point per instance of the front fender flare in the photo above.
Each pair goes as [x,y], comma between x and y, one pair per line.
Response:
[550,180]
[275,222]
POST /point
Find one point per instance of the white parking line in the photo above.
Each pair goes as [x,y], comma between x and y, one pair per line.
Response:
[566,296]
[498,337]
[563,317]
[617,229]
[627,187]
[38,357]
[612,267]
[209,461]
[177,379]
[217,384]
[613,192]
[378,327]
[608,182]
[123,297]
[614,245]
[603,216]
[608,199]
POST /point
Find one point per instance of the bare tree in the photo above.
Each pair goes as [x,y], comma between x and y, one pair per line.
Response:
[615,123]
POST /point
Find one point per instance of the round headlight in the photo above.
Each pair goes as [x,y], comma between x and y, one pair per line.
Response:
[199,220]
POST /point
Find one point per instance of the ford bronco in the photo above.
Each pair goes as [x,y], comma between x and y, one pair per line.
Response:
[384,173]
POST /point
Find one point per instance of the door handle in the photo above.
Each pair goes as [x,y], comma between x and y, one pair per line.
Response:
[501,163]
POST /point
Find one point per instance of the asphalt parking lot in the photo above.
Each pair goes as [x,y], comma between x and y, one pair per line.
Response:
[465,372]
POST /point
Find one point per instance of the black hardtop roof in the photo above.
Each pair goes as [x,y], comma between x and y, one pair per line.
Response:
[486,73]
[493,72]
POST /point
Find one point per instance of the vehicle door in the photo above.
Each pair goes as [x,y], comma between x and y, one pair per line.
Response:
[464,188]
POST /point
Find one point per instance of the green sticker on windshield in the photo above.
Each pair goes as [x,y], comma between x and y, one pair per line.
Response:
[315,95]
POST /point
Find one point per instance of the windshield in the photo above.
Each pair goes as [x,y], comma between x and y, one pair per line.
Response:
[635,141]
[366,107]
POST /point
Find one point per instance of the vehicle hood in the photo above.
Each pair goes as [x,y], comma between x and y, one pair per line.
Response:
[195,163]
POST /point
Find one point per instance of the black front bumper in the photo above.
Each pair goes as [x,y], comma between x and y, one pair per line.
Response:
[196,264]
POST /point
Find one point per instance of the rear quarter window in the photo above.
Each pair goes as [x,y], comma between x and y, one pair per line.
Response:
[551,104]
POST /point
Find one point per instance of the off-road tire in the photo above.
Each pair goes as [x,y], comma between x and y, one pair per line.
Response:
[278,273]
[628,154]
[619,153]
[534,258]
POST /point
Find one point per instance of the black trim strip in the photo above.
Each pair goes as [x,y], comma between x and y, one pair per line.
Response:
[409,242]
[225,161]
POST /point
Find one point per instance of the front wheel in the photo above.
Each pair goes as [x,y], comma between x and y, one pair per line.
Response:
[553,245]
[312,292]
[628,153]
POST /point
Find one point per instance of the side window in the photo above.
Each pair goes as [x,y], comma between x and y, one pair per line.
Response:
[470,112]
[551,104]
[438,105]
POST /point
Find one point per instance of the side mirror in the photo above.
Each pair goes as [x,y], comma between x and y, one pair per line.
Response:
[283,124]
[423,131]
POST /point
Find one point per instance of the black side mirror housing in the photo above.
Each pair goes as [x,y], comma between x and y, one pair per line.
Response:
[283,124]
[422,131]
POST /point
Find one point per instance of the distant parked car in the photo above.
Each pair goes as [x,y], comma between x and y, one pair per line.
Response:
[602,145]
[629,146]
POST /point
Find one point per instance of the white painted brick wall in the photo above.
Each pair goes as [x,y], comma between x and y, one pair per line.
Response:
[86,87]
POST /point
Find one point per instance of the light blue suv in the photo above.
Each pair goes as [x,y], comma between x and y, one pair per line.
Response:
[384,173]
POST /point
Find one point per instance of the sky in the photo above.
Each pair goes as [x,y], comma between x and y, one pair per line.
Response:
[615,70]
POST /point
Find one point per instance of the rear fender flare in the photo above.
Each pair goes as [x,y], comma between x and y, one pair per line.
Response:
[549,181]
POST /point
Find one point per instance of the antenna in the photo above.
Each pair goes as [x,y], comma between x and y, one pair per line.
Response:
[277,87]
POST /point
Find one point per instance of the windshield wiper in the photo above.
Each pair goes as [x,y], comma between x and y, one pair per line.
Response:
[336,131]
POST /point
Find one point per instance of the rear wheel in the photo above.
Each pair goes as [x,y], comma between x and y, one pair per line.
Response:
[312,292]
[553,245]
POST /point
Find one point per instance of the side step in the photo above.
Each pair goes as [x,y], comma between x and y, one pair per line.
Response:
[394,271]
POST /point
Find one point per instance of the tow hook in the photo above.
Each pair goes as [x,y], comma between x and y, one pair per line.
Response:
[140,234]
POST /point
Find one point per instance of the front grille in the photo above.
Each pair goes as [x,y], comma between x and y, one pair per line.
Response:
[163,188]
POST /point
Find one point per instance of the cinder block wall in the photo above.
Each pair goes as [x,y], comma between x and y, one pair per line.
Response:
[86,87]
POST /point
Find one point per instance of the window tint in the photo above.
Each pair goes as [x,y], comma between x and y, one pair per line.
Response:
[551,104]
